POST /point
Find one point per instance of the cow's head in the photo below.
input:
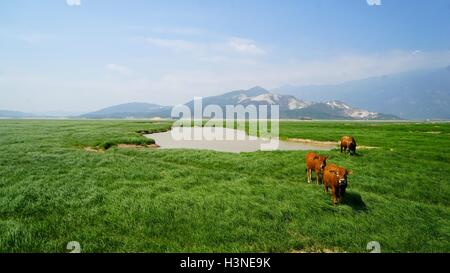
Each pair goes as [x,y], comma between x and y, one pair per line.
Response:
[352,148]
[341,174]
[322,161]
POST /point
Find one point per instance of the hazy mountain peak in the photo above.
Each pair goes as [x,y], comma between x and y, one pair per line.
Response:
[258,89]
[255,91]
[419,94]
[267,98]
[132,109]
[13,114]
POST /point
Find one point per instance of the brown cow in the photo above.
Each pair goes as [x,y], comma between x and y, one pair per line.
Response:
[336,178]
[316,163]
[348,142]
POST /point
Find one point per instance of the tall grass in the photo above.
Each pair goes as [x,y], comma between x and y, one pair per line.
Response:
[52,191]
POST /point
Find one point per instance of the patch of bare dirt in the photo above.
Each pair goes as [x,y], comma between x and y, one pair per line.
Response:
[93,150]
[314,142]
[122,146]
[133,146]
[367,147]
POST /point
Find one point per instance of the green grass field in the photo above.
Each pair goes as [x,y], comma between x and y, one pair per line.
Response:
[53,191]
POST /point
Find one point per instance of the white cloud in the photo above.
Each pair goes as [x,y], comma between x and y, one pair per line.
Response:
[213,50]
[245,46]
[226,77]
[374,2]
[180,85]
[119,69]
[174,84]
[354,67]
[173,44]
[73,2]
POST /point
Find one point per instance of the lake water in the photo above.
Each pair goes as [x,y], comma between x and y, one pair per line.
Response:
[217,139]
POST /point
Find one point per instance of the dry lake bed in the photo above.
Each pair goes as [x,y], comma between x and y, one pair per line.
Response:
[226,140]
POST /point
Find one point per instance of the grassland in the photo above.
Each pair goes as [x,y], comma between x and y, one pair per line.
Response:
[53,191]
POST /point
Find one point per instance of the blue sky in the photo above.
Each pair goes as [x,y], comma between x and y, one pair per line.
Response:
[81,55]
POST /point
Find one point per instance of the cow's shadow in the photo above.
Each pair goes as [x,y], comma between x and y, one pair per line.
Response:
[355,201]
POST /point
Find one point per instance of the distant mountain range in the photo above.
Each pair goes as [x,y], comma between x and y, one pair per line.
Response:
[52,114]
[13,114]
[131,110]
[410,95]
[290,107]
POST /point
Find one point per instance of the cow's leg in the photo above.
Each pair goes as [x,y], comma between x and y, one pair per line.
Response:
[308,174]
[325,185]
[333,194]
[317,176]
[341,148]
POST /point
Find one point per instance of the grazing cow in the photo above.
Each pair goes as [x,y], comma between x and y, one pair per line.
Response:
[348,142]
[316,163]
[336,178]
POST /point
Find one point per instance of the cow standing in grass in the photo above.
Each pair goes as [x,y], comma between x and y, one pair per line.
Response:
[336,178]
[316,163]
[348,142]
